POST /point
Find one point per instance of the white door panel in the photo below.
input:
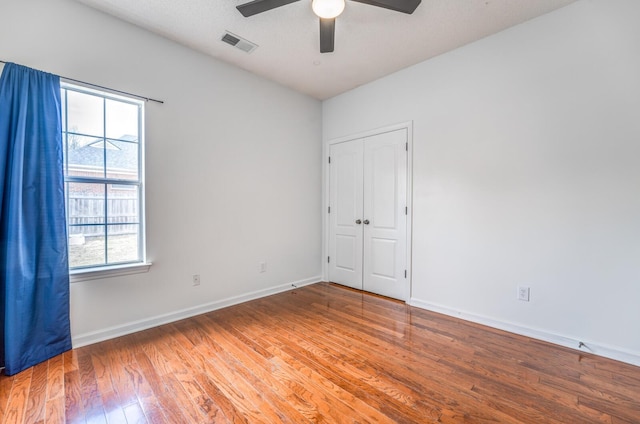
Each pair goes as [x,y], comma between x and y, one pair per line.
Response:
[345,200]
[345,254]
[383,258]
[382,185]
[385,194]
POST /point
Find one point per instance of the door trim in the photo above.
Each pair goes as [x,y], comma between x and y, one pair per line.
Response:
[408,125]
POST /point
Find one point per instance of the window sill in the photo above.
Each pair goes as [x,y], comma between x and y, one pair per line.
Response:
[87,274]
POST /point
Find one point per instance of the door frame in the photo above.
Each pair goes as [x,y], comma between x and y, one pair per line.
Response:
[408,126]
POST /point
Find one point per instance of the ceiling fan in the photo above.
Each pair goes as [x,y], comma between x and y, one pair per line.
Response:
[327,11]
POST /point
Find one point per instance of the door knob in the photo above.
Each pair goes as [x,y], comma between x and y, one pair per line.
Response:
[358,222]
[366,222]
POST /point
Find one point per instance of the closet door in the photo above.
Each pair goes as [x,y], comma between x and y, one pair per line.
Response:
[385,214]
[345,217]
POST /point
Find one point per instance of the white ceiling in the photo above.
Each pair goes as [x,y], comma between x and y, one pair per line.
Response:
[370,42]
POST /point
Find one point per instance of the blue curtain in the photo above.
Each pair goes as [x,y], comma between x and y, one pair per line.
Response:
[34,272]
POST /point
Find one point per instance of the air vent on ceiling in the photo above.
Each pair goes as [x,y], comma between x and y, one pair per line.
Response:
[239,42]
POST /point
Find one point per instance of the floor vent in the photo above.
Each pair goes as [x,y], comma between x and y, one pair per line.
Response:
[239,42]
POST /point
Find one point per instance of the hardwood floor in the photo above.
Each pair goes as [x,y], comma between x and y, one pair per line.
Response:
[323,353]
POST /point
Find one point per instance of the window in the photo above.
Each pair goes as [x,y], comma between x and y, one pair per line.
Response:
[103,151]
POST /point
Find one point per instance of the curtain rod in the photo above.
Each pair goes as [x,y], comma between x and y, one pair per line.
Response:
[148,99]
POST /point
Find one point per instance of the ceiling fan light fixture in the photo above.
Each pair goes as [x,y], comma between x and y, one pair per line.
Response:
[327,9]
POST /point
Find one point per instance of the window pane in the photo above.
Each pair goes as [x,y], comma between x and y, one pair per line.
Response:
[85,114]
[86,218]
[123,243]
[101,143]
[86,156]
[122,120]
[85,204]
[63,100]
[86,246]
[122,160]
[122,204]
[64,153]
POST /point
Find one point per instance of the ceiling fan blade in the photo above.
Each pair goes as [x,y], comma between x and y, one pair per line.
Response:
[259,6]
[327,34]
[404,6]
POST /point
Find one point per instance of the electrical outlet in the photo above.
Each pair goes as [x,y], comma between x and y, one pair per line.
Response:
[196,279]
[262,267]
[523,294]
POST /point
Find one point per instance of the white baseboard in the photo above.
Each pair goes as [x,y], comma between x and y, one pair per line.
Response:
[135,326]
[632,358]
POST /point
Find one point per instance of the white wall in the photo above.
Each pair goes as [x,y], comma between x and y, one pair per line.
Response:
[526,171]
[233,167]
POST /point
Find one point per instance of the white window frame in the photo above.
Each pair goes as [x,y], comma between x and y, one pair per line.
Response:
[126,268]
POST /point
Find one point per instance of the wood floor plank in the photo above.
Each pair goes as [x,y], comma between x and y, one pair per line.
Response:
[173,371]
[134,414]
[623,409]
[55,377]
[17,402]
[611,387]
[332,401]
[89,391]
[226,372]
[120,363]
[323,354]
[164,396]
[186,379]
[54,410]
[240,408]
[152,410]
[213,402]
[187,405]
[5,391]
[36,404]
[70,360]
[218,398]
[73,410]
[113,409]
[100,364]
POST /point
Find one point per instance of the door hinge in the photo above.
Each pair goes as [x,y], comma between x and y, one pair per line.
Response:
[328,259]
[405,273]
[329,209]
[329,159]
[406,210]
[406,146]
